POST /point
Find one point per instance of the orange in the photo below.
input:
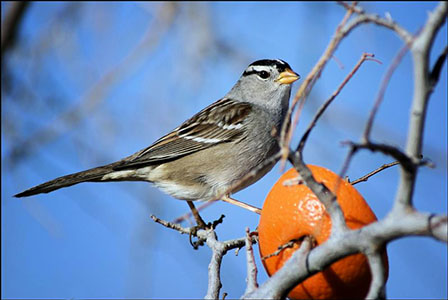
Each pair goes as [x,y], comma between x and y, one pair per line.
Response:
[293,211]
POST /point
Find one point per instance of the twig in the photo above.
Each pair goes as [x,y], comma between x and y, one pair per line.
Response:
[376,290]
[320,190]
[367,176]
[284,279]
[406,162]
[324,195]
[364,57]
[342,30]
[251,266]
[387,22]
[386,79]
[402,220]
[366,143]
[309,81]
[171,225]
[219,249]
[280,248]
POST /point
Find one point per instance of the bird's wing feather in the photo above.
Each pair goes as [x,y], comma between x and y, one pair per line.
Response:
[220,122]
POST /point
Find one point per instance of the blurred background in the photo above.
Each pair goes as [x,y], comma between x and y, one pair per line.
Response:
[85,84]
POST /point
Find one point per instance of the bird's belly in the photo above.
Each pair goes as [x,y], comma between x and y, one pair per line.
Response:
[183,192]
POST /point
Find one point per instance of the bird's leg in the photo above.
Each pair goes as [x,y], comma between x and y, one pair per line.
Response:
[197,217]
[254,209]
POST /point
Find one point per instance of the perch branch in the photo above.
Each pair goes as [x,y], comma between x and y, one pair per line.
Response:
[376,290]
[251,266]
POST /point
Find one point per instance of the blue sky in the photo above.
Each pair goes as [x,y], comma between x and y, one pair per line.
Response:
[96,240]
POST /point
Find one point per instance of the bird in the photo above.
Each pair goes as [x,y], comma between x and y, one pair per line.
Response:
[207,155]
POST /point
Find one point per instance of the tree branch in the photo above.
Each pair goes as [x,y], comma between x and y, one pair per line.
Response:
[422,88]
[251,266]
[367,176]
[373,236]
[402,220]
[376,290]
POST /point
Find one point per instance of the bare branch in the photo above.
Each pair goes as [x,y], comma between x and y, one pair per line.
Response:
[320,190]
[422,86]
[214,268]
[171,225]
[367,176]
[399,222]
[385,22]
[422,89]
[373,236]
[219,249]
[342,31]
[377,290]
[309,81]
[405,161]
[364,57]
[286,278]
[280,248]
[324,195]
[251,266]
[396,61]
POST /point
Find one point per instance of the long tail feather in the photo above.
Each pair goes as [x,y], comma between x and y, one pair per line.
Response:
[95,174]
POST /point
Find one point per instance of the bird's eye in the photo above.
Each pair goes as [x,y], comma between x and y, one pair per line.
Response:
[264,75]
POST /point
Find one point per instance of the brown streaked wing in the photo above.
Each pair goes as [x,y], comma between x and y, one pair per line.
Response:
[209,127]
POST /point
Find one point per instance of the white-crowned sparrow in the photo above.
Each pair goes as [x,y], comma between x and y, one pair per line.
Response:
[206,155]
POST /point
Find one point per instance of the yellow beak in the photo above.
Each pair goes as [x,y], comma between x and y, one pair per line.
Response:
[287,77]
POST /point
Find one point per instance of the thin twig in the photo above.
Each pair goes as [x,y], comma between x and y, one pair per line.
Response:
[280,248]
[386,79]
[387,22]
[364,57]
[251,266]
[367,176]
[171,225]
[399,222]
[329,201]
[405,161]
[278,286]
[306,86]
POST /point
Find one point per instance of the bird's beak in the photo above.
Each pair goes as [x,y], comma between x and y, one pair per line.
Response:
[287,77]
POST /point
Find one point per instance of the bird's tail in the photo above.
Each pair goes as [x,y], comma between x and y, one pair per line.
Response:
[95,174]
